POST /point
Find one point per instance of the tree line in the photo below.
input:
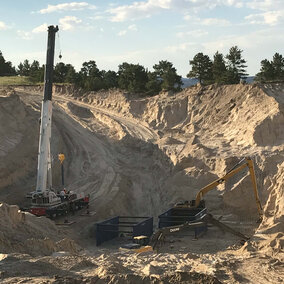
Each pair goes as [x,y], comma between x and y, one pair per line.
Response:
[231,69]
[6,68]
[134,78]
[271,70]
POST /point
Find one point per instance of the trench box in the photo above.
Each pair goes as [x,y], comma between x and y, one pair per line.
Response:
[128,225]
[178,216]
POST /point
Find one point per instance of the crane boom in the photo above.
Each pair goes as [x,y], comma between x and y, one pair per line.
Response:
[44,175]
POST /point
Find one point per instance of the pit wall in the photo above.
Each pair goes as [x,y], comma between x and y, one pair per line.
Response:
[223,110]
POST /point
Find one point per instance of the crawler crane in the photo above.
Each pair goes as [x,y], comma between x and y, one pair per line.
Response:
[44,200]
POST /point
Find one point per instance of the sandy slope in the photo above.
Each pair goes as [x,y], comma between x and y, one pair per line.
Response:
[140,156]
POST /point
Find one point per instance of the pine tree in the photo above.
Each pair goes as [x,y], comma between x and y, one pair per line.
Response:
[90,76]
[267,72]
[201,68]
[26,68]
[167,74]
[278,65]
[132,77]
[110,79]
[153,85]
[36,72]
[271,70]
[236,66]
[6,68]
[219,69]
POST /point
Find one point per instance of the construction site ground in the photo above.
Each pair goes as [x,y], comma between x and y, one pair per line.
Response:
[138,157]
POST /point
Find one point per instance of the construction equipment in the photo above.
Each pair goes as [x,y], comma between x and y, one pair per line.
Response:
[159,236]
[146,244]
[198,202]
[188,215]
[44,200]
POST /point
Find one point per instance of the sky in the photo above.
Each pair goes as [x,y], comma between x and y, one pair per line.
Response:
[142,31]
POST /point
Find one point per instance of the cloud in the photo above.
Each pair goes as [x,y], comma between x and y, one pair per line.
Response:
[247,42]
[266,5]
[73,6]
[194,33]
[29,35]
[25,35]
[68,22]
[215,22]
[3,26]
[130,56]
[132,28]
[122,33]
[144,9]
[271,18]
[40,29]
[272,12]
[179,47]
[207,21]
[97,17]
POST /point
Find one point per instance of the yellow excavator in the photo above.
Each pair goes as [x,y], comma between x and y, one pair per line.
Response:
[245,162]
[145,244]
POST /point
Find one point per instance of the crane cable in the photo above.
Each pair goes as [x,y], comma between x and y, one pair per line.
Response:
[59,47]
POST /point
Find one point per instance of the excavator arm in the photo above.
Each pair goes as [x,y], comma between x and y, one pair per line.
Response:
[248,163]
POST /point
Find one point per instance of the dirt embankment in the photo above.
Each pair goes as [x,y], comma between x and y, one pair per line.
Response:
[167,146]
[23,232]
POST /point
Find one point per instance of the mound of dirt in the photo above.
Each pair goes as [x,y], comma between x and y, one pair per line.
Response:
[18,145]
[23,232]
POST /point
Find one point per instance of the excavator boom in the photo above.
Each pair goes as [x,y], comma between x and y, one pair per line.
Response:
[248,163]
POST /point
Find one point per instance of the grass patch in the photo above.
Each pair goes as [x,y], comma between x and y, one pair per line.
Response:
[14,80]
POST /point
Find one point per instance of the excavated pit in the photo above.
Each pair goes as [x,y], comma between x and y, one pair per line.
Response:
[139,157]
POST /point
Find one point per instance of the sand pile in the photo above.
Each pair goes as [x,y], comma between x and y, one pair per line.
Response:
[23,232]
[133,268]
[83,269]
[18,145]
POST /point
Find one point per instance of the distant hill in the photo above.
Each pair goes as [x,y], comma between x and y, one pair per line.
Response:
[187,82]
[250,79]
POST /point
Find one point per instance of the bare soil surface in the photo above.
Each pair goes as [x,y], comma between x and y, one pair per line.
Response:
[139,157]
